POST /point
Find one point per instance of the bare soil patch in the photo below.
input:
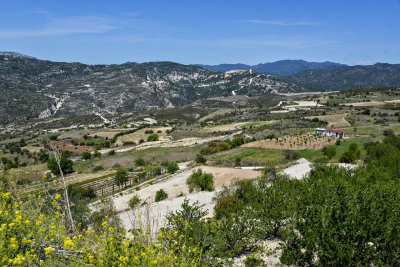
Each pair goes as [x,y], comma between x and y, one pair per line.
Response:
[65,144]
[334,120]
[223,128]
[105,134]
[152,214]
[364,104]
[176,184]
[299,142]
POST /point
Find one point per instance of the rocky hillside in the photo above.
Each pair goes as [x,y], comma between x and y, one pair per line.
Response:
[279,68]
[31,88]
[345,77]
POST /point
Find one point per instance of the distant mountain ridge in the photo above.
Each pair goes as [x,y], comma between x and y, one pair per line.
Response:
[278,68]
[349,77]
[31,88]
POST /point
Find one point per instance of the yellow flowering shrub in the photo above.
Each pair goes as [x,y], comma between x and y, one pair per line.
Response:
[34,231]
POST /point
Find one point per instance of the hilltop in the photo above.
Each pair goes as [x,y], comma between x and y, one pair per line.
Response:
[31,88]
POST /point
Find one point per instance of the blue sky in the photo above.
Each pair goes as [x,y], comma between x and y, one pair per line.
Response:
[206,32]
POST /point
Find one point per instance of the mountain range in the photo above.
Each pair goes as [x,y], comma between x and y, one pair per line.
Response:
[348,77]
[278,68]
[32,88]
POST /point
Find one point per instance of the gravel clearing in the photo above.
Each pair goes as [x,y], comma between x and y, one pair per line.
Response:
[302,167]
[153,213]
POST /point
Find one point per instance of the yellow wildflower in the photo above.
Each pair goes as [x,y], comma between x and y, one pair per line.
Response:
[48,250]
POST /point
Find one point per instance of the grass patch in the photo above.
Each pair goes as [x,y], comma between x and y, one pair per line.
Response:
[312,155]
[251,156]
[127,159]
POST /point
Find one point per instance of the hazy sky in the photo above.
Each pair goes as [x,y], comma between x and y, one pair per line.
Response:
[206,32]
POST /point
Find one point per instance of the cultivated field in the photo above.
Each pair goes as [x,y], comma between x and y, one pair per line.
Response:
[300,142]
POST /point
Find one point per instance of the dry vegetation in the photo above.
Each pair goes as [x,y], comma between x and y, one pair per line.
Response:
[140,134]
[104,134]
[334,120]
[223,128]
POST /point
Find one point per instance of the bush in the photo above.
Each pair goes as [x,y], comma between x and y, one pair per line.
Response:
[200,159]
[98,168]
[65,164]
[238,161]
[161,195]
[96,154]
[348,157]
[152,138]
[134,201]
[238,141]
[330,151]
[78,193]
[253,261]
[86,155]
[291,155]
[227,205]
[388,132]
[140,162]
[200,181]
[116,166]
[111,152]
[172,167]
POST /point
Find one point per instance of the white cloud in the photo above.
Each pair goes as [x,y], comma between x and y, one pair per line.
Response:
[64,26]
[282,23]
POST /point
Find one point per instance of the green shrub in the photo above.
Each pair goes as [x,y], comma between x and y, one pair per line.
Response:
[98,168]
[86,155]
[65,164]
[161,195]
[96,154]
[140,162]
[172,167]
[253,261]
[200,159]
[134,201]
[227,205]
[111,152]
[291,155]
[152,138]
[200,181]
[116,166]
[329,151]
